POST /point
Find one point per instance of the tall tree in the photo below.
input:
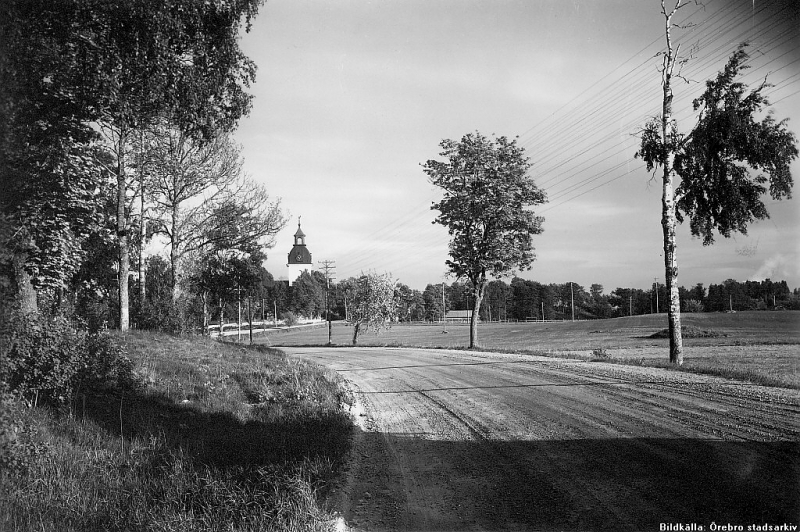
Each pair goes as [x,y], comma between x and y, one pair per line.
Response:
[432,296]
[122,64]
[714,163]
[191,181]
[659,144]
[48,178]
[496,300]
[486,207]
[308,294]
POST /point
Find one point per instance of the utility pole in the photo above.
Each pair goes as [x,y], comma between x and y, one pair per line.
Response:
[656,283]
[250,315]
[328,266]
[572,298]
[444,307]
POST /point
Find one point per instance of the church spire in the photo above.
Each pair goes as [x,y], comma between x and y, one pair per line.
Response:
[299,236]
[299,258]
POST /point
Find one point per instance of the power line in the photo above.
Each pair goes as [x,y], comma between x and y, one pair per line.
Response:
[628,102]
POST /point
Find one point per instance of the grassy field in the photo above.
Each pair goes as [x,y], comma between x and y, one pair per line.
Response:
[762,347]
[220,437]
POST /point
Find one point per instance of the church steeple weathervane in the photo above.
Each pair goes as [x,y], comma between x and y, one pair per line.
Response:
[299,236]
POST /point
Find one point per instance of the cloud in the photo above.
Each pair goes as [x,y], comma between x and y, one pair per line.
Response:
[776,267]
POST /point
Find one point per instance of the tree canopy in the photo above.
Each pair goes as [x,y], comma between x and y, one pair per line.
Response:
[732,158]
[726,164]
[373,302]
[75,67]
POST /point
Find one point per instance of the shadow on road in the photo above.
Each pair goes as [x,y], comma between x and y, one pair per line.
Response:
[614,484]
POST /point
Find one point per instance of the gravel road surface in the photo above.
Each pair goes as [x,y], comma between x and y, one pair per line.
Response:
[454,440]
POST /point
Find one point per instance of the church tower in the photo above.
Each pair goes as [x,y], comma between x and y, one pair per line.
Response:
[299,257]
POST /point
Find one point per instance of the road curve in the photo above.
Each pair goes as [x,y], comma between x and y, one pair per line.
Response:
[454,440]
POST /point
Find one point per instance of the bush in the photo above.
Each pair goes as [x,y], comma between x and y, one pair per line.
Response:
[40,358]
[18,438]
[47,360]
[289,318]
[693,305]
[161,315]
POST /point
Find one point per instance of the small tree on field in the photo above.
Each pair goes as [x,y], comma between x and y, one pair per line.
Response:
[372,305]
[486,207]
[715,163]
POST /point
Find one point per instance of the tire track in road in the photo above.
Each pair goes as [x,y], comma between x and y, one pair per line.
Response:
[494,441]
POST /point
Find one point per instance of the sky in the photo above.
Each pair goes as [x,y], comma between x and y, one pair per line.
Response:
[353,97]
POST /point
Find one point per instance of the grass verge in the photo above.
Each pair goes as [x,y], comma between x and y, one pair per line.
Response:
[221,437]
[702,367]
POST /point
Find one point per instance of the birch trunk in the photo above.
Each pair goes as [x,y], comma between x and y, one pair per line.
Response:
[174,252]
[668,218]
[122,235]
[142,237]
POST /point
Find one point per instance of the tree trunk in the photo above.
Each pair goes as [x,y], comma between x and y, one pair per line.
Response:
[250,316]
[142,238]
[221,318]
[122,234]
[204,296]
[356,327]
[26,293]
[668,219]
[668,222]
[173,253]
[473,320]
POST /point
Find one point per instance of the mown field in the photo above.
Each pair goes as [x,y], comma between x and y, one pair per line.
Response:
[763,347]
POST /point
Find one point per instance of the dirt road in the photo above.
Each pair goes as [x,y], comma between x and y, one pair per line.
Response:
[454,440]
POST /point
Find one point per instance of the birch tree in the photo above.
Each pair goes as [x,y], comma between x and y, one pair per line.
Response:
[120,65]
[189,181]
[714,162]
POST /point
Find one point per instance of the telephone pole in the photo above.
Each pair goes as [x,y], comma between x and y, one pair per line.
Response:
[328,267]
[655,280]
[444,307]
[572,299]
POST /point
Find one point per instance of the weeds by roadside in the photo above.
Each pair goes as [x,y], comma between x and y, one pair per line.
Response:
[221,438]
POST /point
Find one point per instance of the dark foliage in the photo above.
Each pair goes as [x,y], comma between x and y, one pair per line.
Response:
[732,159]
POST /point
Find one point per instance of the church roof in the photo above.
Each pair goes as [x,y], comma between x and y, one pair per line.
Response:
[299,231]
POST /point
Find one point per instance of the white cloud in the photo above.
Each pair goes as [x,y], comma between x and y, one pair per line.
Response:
[777,267]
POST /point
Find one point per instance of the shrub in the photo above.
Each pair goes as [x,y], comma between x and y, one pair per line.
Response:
[289,318]
[693,305]
[48,360]
[39,358]
[18,443]
[161,315]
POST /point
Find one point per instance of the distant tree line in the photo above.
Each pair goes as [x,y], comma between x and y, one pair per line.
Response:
[523,299]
